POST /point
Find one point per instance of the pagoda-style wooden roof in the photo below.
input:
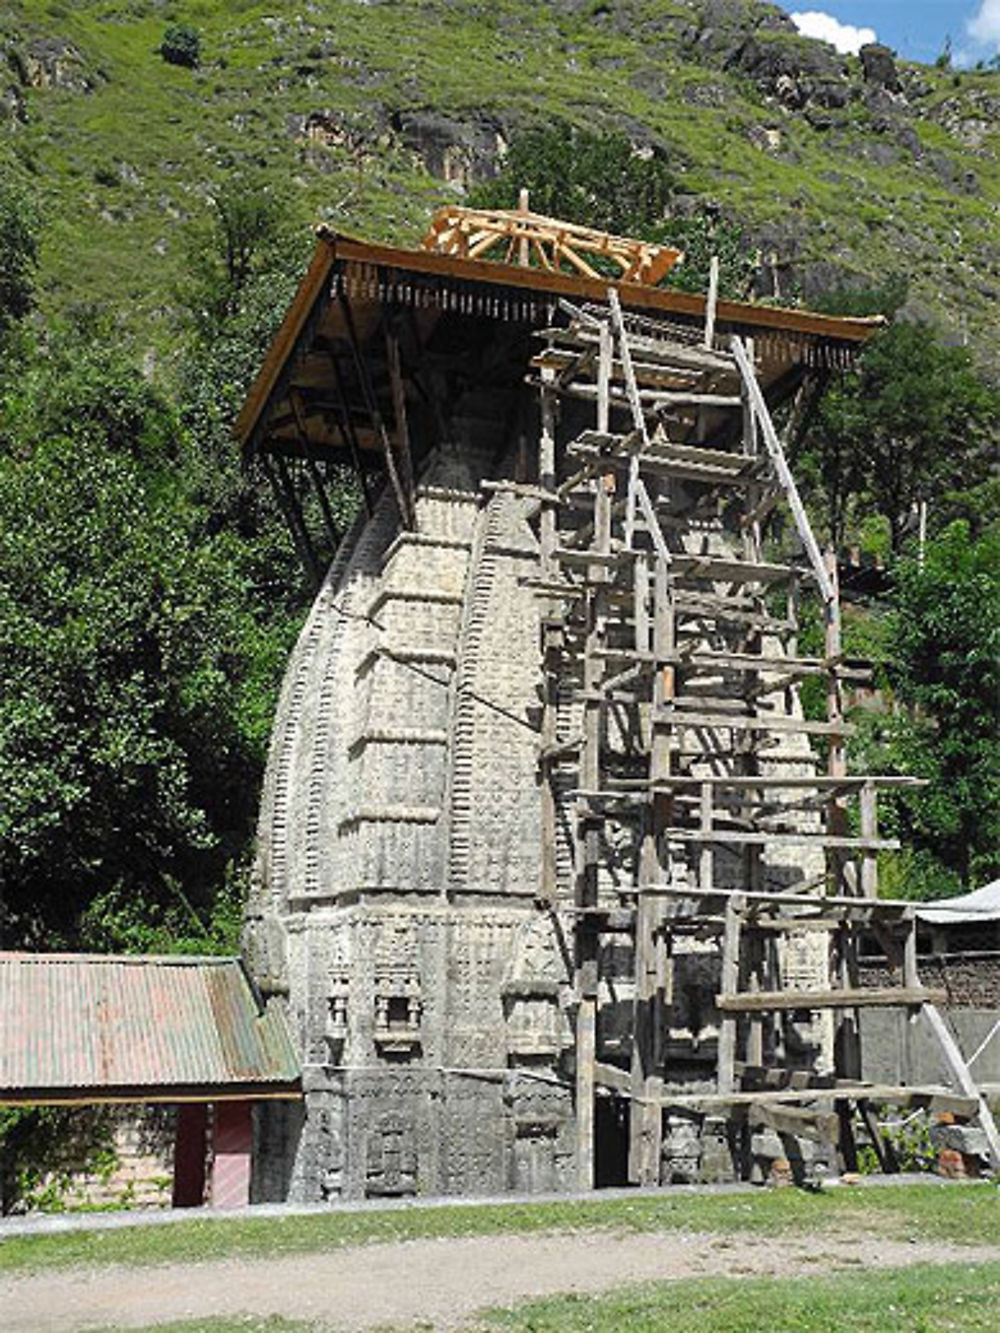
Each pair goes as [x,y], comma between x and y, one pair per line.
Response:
[328,376]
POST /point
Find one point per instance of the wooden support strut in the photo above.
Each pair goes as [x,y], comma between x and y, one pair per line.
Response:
[777,454]
[403,502]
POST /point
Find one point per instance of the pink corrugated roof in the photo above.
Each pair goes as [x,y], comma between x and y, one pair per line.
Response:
[71,1024]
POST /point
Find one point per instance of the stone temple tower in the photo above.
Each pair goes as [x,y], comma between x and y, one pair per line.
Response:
[446,904]
[399,852]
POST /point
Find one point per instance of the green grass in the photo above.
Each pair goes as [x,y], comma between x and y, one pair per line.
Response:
[910,1300]
[964,1215]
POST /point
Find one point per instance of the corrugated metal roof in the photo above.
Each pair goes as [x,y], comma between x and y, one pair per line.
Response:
[76,1024]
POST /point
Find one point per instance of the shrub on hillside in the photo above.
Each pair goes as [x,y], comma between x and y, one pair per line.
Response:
[181,45]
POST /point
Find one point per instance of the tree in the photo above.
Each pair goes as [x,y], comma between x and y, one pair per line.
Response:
[944,666]
[242,238]
[181,45]
[603,181]
[913,422]
[598,180]
[18,253]
[138,666]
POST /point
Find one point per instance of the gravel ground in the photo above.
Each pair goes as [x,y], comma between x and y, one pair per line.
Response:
[441,1283]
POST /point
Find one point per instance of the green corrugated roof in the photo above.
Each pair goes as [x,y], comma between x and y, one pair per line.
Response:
[89,1027]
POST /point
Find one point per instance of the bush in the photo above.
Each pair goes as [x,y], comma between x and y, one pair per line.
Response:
[181,45]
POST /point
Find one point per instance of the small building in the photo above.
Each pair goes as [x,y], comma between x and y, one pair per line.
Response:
[958,942]
[188,1033]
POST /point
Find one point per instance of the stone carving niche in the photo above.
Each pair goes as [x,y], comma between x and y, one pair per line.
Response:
[398,1014]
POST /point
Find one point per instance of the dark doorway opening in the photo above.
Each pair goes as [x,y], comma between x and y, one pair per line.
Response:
[610,1142]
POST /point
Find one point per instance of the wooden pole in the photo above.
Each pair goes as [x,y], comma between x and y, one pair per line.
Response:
[284,492]
[524,247]
[726,1075]
[552,638]
[406,476]
[712,304]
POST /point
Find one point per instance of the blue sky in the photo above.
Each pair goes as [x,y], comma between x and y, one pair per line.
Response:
[918,29]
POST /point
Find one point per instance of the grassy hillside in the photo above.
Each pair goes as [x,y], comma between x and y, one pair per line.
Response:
[370,114]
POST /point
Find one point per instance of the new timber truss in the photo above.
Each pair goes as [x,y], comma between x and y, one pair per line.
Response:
[671,710]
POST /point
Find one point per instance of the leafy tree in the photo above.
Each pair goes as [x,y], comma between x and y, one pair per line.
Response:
[702,236]
[181,45]
[885,298]
[602,181]
[137,669]
[945,666]
[243,237]
[18,253]
[914,422]
[941,663]
[598,180]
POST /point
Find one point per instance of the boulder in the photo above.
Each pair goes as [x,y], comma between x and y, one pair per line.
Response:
[459,152]
[51,62]
[969,1140]
[878,64]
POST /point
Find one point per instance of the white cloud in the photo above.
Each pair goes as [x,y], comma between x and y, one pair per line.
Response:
[985,26]
[844,36]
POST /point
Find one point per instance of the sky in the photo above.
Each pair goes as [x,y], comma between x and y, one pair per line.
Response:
[916,29]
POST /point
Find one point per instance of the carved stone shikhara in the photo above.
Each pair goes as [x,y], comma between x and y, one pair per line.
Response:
[398,866]
[399,854]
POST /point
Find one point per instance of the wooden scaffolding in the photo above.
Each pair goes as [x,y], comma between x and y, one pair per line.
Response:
[671,708]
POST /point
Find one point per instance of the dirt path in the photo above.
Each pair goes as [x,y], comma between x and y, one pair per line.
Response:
[442,1282]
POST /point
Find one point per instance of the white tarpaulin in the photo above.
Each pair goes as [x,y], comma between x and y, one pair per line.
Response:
[982,905]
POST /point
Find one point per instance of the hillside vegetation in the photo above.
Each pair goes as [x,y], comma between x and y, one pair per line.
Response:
[370,114]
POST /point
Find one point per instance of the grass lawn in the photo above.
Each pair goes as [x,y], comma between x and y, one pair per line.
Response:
[967,1214]
[913,1300]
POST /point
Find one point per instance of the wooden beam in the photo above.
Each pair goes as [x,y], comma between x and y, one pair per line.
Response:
[364,379]
[956,1063]
[875,997]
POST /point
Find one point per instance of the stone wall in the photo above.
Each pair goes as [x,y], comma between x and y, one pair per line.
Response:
[971,980]
[895,1049]
[107,1157]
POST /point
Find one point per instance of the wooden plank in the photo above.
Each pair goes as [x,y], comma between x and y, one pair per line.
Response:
[663,400]
[956,1063]
[778,723]
[719,569]
[925,1098]
[892,907]
[613,1078]
[800,1121]
[659,350]
[873,997]
[737,838]
[783,471]
[791,781]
